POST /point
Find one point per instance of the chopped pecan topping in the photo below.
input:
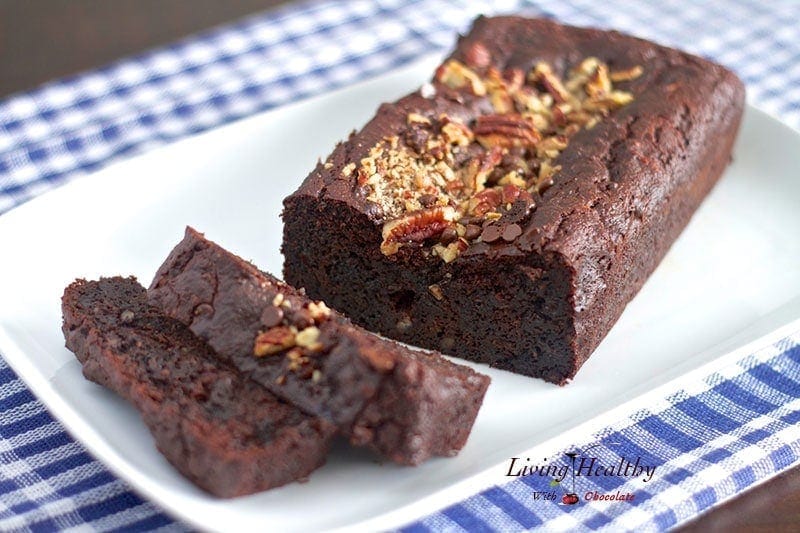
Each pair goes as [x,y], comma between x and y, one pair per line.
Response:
[455,75]
[308,338]
[455,133]
[545,179]
[626,75]
[543,74]
[274,340]
[475,174]
[484,202]
[294,332]
[319,311]
[448,183]
[512,178]
[436,291]
[416,118]
[450,252]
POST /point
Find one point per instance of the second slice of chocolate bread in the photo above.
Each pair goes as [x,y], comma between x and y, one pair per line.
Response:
[225,433]
[405,404]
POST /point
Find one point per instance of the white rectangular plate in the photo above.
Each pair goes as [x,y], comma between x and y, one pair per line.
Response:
[730,278]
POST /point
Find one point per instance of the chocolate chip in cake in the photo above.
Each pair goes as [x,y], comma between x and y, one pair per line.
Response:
[472,232]
[511,232]
[491,233]
[448,235]
[302,318]
[271,316]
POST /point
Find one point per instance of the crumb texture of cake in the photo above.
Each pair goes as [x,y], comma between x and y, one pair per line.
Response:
[509,210]
[226,434]
[405,404]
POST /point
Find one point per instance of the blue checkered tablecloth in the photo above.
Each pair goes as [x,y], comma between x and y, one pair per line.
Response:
[713,438]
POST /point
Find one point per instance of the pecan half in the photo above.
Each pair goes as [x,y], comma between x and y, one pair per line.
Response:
[506,130]
[416,227]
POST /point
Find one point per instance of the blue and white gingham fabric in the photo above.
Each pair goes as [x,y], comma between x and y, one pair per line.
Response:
[712,439]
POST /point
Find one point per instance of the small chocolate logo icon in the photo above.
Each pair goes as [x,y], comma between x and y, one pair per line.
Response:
[569,499]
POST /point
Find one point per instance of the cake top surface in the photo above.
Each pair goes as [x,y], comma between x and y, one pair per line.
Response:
[527,126]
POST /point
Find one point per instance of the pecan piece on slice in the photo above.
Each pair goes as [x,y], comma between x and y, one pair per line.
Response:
[274,340]
[506,130]
[416,227]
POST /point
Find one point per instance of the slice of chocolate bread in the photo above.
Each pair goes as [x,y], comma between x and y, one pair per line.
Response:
[509,210]
[405,404]
[225,433]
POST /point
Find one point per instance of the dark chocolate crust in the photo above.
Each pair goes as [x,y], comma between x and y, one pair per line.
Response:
[225,433]
[541,304]
[405,404]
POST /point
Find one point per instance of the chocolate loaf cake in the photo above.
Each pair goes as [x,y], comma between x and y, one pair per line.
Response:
[509,210]
[407,405]
[225,433]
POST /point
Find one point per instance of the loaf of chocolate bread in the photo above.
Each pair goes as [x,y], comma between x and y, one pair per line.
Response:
[405,404]
[225,433]
[509,210]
